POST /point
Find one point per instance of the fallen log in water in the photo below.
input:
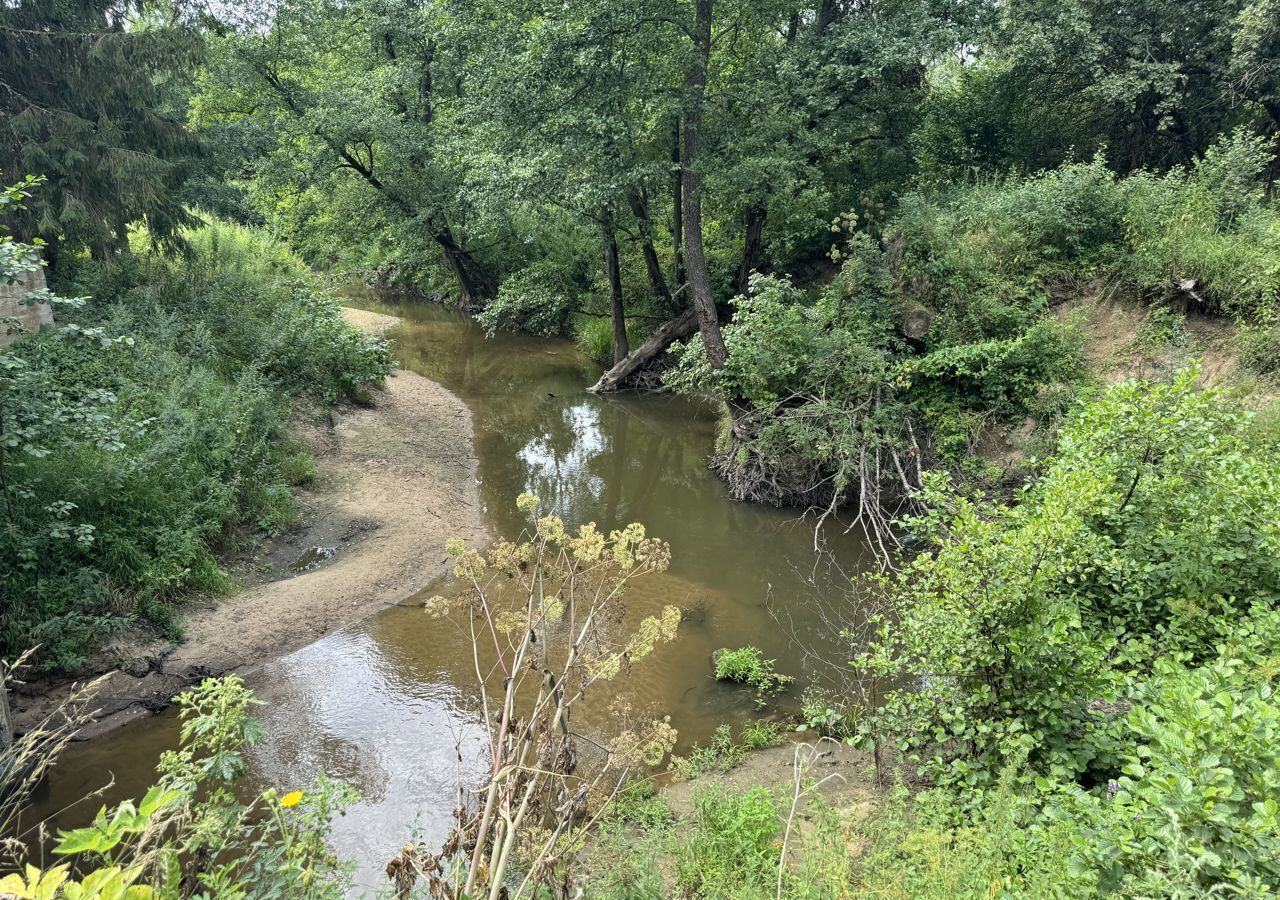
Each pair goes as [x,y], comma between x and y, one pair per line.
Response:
[663,337]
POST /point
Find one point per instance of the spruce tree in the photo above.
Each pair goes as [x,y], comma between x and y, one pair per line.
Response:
[84,86]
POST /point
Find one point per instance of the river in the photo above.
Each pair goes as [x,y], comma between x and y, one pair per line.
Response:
[386,704]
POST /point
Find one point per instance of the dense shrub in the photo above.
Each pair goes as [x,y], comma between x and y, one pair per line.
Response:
[840,403]
[188,447]
[1208,227]
[1115,630]
[730,854]
[540,299]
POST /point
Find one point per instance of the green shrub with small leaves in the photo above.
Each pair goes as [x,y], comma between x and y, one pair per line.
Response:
[540,299]
[1111,639]
[192,834]
[731,852]
[148,433]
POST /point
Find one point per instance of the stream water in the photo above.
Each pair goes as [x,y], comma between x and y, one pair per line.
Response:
[386,704]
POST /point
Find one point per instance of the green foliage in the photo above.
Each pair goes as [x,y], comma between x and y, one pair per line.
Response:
[719,755]
[1057,79]
[913,848]
[1008,623]
[1116,630]
[148,433]
[594,337]
[191,835]
[640,805]
[747,665]
[1196,799]
[88,101]
[759,734]
[979,119]
[1208,226]
[731,853]
[980,255]
[539,300]
[824,712]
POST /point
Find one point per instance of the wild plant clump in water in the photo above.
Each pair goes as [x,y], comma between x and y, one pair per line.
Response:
[544,617]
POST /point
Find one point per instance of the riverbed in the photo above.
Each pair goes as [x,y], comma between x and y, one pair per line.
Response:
[387,704]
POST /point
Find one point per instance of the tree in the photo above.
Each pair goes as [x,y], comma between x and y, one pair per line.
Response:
[84,86]
[565,115]
[1256,60]
[354,94]
[1150,80]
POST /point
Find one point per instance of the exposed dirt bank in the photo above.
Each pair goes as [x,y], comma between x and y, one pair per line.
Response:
[394,482]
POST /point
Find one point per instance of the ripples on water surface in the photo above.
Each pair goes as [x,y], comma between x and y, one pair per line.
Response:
[387,704]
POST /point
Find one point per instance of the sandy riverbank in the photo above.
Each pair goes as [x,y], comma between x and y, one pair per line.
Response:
[394,481]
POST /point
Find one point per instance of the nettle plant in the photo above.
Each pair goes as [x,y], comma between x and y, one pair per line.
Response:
[546,621]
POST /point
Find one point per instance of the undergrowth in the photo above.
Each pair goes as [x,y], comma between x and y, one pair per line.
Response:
[201,361]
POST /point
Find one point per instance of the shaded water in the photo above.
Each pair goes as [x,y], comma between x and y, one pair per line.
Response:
[387,704]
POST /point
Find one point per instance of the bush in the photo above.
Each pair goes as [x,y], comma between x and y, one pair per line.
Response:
[1196,798]
[191,834]
[594,337]
[187,451]
[913,848]
[1016,621]
[539,299]
[747,665]
[719,755]
[1208,227]
[1116,629]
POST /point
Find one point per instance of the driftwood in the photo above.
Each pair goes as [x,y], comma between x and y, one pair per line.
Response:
[1189,287]
[663,337]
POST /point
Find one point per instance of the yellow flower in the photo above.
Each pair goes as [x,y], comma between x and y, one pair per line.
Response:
[291,799]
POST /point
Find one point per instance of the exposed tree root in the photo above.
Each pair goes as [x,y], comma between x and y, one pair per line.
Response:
[880,485]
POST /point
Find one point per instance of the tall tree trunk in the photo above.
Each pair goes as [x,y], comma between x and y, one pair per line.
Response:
[1273,109]
[828,12]
[751,245]
[694,253]
[473,285]
[640,210]
[677,207]
[617,313]
[52,253]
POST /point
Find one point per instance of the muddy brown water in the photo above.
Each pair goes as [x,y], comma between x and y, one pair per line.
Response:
[388,704]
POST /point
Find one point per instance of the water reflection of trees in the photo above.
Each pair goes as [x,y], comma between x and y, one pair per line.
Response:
[627,458]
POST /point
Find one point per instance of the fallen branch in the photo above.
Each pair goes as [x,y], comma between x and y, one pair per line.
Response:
[663,337]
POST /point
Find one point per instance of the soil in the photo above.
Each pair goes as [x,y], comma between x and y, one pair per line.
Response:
[1111,323]
[394,481]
